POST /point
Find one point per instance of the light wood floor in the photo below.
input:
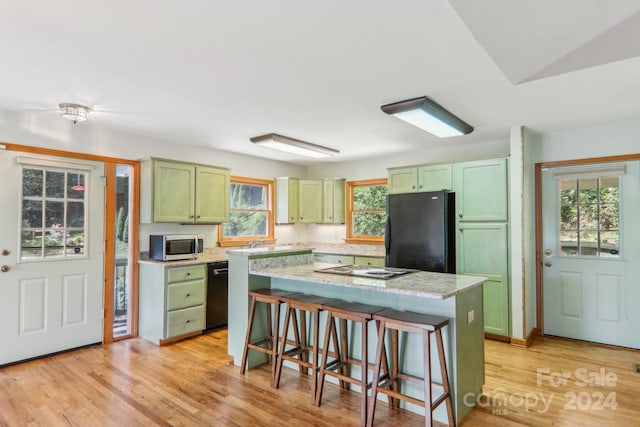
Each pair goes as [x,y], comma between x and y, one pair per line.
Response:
[192,382]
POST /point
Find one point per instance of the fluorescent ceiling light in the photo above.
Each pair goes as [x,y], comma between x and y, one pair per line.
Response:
[74,112]
[294,146]
[427,115]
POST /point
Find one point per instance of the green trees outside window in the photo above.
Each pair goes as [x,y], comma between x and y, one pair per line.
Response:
[366,213]
[590,217]
[250,211]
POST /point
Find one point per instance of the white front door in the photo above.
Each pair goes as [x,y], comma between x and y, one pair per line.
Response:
[591,252]
[51,253]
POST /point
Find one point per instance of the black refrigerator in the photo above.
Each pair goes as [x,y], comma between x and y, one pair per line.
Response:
[420,231]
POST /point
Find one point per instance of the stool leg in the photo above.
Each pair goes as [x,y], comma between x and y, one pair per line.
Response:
[269,330]
[376,374]
[428,408]
[344,352]
[274,342]
[283,344]
[445,378]
[245,352]
[393,402]
[364,374]
[299,336]
[303,340]
[325,356]
[314,355]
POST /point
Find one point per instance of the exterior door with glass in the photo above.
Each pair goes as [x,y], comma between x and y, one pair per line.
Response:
[51,232]
[591,253]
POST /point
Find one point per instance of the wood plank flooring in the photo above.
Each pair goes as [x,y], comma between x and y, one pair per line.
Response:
[193,383]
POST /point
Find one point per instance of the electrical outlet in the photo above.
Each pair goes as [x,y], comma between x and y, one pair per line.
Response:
[470,316]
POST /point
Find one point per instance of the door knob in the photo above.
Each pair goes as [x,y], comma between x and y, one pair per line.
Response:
[4,268]
[5,252]
[548,264]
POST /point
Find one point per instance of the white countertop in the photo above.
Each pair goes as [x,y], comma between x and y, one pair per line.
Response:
[422,284]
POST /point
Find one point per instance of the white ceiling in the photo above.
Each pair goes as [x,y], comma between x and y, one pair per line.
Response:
[215,73]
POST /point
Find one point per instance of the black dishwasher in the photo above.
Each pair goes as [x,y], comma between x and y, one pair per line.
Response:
[217,295]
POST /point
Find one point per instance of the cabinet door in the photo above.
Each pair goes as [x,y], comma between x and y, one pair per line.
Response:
[435,178]
[333,201]
[212,195]
[286,200]
[483,251]
[173,192]
[310,200]
[481,190]
[403,180]
[334,259]
[369,260]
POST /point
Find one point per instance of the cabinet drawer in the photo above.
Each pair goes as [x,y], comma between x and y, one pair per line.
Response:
[185,294]
[180,274]
[369,260]
[333,259]
[180,322]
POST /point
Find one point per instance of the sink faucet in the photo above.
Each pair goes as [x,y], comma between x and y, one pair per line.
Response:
[256,243]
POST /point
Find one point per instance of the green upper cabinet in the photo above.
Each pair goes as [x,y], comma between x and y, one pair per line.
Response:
[435,177]
[310,200]
[333,200]
[183,193]
[173,195]
[286,200]
[211,195]
[483,250]
[420,179]
[402,180]
[481,189]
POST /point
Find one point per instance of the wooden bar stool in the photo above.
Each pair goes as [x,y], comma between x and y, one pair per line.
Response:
[416,323]
[339,367]
[303,303]
[268,345]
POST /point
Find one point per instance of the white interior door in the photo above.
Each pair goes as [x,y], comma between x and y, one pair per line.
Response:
[51,253]
[591,253]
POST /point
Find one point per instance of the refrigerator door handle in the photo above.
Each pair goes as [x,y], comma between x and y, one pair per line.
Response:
[387,236]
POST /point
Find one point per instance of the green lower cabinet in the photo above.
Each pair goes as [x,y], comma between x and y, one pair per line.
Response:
[483,250]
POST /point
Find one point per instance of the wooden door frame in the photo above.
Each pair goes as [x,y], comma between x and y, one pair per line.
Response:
[109,229]
[538,216]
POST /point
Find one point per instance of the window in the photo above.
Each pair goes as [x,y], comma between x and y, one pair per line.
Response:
[53,217]
[589,217]
[366,211]
[250,213]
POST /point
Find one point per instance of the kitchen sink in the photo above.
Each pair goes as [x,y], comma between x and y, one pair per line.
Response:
[366,271]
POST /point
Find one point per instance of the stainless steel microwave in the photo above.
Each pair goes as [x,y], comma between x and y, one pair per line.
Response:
[172,247]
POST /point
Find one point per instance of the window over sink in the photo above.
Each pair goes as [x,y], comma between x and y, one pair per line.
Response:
[366,211]
[251,218]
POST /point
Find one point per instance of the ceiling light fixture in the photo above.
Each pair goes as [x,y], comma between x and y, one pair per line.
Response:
[427,115]
[294,146]
[74,112]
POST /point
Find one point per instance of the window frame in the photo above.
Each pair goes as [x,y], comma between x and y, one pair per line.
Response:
[248,240]
[46,167]
[351,186]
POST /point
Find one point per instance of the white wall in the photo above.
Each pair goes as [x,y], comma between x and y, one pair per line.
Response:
[50,131]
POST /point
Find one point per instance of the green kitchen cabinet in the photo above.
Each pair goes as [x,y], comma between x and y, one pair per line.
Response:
[481,189]
[172,301]
[420,178]
[402,180]
[372,261]
[310,200]
[333,258]
[333,202]
[483,250]
[286,200]
[179,192]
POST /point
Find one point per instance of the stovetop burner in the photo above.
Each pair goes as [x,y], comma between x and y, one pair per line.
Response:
[367,271]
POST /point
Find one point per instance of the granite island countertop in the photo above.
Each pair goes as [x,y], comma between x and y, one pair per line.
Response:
[424,284]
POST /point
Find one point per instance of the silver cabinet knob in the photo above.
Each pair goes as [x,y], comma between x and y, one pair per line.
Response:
[5,268]
[5,252]
[548,264]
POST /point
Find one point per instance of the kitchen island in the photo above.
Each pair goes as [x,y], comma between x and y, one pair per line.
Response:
[459,298]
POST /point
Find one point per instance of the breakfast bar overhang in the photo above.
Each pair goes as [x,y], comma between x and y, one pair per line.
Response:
[457,297]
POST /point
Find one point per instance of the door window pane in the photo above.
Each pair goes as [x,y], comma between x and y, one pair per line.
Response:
[590,217]
[123,260]
[53,215]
